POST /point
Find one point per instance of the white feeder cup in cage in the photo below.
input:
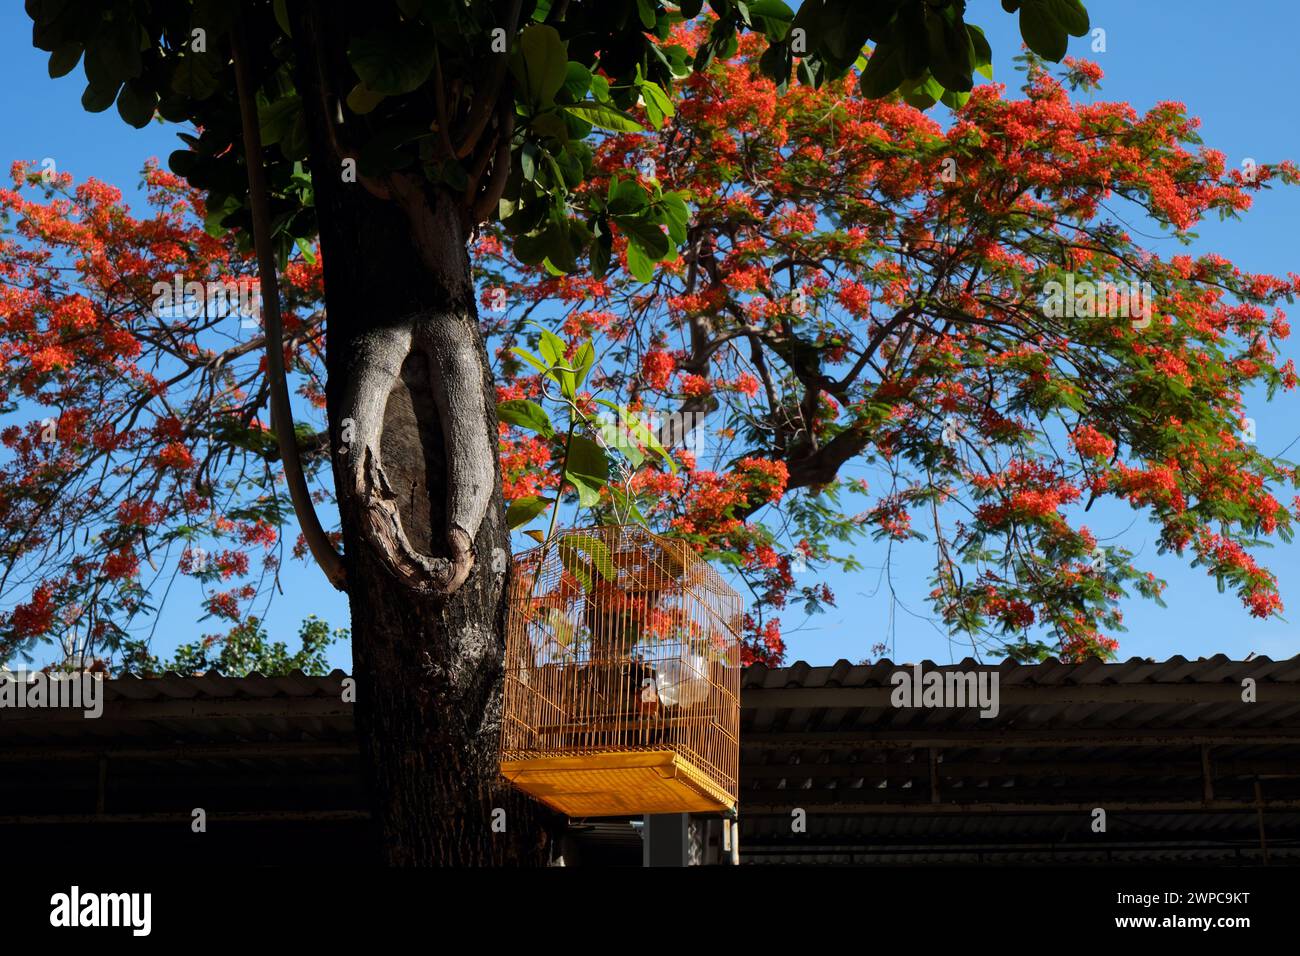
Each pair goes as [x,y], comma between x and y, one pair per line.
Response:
[683,681]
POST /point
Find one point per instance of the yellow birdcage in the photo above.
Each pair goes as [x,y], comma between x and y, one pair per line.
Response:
[622,691]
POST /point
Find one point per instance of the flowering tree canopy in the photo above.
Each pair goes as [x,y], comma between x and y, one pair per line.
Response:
[857,283]
[143,450]
[961,307]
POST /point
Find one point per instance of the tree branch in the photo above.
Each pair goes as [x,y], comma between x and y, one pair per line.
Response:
[495,187]
[486,100]
[281,413]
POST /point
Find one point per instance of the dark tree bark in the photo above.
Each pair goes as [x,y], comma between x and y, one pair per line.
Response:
[411,407]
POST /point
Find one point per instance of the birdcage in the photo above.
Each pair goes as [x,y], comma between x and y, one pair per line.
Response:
[622,692]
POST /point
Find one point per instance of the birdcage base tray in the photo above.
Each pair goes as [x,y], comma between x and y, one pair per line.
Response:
[618,784]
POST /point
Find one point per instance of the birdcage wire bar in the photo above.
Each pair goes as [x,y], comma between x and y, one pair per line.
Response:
[622,688]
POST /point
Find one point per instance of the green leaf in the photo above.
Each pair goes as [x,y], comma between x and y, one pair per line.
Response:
[923,95]
[776,9]
[552,347]
[775,63]
[562,252]
[531,359]
[954,99]
[601,559]
[595,550]
[526,414]
[641,432]
[577,81]
[625,196]
[643,232]
[451,172]
[136,103]
[639,264]
[678,215]
[553,351]
[1041,31]
[575,163]
[604,116]
[393,61]
[561,627]
[523,510]
[528,246]
[884,71]
[615,433]
[551,124]
[952,56]
[540,63]
[116,50]
[583,360]
[577,566]
[601,250]
[658,105]
[646,11]
[587,469]
[280,8]
[528,161]
[909,34]
[274,119]
[363,99]
[217,212]
[983,52]
[284,122]
[1070,14]
[46,11]
[195,76]
[96,99]
[64,60]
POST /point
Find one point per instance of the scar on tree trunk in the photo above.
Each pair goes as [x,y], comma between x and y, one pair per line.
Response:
[451,370]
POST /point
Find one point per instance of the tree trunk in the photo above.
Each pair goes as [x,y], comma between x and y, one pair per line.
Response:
[411,407]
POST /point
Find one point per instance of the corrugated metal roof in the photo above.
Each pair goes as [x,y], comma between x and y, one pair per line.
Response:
[878,784]
[1134,694]
[206,708]
[888,784]
[1051,672]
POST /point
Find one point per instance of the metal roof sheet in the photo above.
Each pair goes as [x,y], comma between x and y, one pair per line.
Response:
[822,737]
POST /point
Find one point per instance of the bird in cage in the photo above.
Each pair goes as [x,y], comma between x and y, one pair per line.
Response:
[649,697]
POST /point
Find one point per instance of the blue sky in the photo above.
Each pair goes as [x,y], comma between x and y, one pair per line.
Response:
[1234,71]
